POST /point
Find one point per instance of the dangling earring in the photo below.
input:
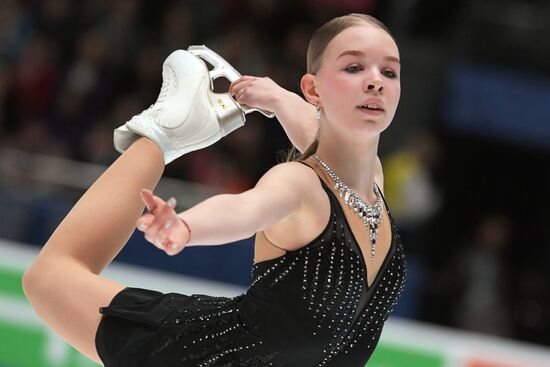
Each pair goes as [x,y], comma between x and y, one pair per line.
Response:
[318,113]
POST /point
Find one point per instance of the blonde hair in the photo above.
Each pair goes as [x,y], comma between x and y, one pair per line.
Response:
[315,54]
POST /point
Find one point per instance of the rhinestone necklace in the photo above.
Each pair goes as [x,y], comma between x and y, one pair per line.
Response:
[371,215]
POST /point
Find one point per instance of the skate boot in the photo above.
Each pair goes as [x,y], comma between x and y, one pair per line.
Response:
[187,115]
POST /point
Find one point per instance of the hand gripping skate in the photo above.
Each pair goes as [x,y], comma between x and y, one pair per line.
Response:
[187,115]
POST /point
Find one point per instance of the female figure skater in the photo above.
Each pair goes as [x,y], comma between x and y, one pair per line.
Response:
[329,266]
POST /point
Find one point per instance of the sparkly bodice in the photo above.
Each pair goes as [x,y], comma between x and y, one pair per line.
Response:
[314,303]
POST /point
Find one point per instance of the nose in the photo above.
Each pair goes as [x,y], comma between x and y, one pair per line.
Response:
[374,81]
[375,86]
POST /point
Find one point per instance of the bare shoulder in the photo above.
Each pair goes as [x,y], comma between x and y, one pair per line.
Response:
[304,223]
[286,189]
[290,174]
[379,174]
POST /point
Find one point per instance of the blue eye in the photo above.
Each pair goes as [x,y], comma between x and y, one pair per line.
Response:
[354,69]
[390,73]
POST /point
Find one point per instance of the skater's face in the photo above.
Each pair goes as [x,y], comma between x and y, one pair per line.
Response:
[360,67]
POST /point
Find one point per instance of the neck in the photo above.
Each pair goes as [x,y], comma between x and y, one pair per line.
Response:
[352,158]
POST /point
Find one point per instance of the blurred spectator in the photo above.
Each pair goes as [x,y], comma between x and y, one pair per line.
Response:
[410,189]
[484,305]
[35,78]
[121,32]
[242,47]
[91,56]
[56,21]
[476,284]
[292,63]
[15,28]
[177,27]
[413,199]
[33,135]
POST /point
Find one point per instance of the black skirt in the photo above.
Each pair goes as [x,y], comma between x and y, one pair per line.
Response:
[142,327]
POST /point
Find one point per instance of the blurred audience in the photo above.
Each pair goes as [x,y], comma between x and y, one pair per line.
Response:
[71,72]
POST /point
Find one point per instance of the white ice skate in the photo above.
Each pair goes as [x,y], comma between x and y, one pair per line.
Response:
[187,115]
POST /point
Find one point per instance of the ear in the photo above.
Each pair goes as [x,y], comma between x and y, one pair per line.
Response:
[309,90]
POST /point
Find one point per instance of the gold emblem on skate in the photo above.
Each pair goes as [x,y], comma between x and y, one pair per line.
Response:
[222,105]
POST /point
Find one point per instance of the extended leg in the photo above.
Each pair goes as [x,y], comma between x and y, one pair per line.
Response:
[63,284]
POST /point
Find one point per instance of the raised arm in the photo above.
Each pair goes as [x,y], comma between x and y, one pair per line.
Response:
[293,112]
[227,218]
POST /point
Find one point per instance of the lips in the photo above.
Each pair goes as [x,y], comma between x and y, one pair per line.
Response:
[372,104]
[371,112]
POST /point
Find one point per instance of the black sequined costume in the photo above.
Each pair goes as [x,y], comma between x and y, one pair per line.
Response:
[309,307]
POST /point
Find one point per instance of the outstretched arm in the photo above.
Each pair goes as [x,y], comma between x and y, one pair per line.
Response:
[226,218]
[296,116]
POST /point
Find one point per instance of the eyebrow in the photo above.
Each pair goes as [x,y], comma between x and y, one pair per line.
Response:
[361,53]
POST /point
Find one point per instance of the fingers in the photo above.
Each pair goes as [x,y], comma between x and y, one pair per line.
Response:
[148,199]
[158,223]
[161,238]
[164,214]
[238,84]
[145,221]
[241,96]
[175,241]
[257,92]
[172,237]
[178,238]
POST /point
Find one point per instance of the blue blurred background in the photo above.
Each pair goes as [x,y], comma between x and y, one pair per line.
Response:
[466,159]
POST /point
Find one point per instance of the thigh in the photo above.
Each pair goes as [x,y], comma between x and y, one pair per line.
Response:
[67,296]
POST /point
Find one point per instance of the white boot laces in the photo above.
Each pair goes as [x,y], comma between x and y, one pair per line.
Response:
[152,112]
[167,81]
[163,91]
